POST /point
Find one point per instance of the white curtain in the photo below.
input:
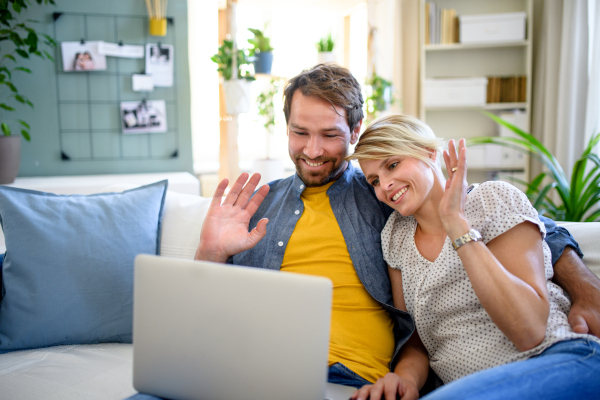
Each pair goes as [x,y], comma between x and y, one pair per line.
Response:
[566,87]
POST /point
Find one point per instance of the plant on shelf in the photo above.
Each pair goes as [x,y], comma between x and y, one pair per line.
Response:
[379,96]
[579,199]
[224,59]
[325,44]
[262,52]
[325,47]
[24,42]
[266,109]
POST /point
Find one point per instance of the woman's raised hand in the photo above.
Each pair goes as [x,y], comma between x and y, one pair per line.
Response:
[225,228]
[452,205]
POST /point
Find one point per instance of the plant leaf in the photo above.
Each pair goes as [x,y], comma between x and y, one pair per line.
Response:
[22,53]
[5,129]
[25,124]
[26,135]
[6,107]
[23,69]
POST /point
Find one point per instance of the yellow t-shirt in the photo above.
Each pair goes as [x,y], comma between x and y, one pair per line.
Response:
[361,330]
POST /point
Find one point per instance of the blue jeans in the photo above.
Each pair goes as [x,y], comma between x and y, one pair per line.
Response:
[566,370]
[342,375]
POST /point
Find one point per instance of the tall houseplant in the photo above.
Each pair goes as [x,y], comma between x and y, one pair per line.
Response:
[237,92]
[23,42]
[579,199]
[262,52]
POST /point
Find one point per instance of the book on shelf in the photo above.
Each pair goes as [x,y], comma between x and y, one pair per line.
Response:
[507,89]
[441,25]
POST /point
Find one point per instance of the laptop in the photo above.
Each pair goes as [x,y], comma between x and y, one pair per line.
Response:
[210,331]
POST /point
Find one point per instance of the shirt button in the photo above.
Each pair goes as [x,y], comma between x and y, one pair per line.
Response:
[297,212]
[280,244]
[301,186]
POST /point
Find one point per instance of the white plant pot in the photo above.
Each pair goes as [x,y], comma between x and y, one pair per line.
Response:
[237,96]
[324,57]
[269,170]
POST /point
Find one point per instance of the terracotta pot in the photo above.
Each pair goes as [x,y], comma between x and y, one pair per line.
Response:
[10,156]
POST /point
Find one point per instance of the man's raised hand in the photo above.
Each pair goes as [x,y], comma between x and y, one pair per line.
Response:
[225,228]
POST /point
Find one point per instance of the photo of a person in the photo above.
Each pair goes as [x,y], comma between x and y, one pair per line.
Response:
[84,62]
[82,56]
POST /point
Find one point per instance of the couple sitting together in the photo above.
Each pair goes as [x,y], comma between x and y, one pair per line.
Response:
[433,281]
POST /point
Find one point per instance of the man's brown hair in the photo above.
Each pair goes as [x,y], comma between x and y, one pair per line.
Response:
[331,83]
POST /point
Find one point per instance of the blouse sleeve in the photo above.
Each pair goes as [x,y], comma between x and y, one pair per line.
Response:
[499,206]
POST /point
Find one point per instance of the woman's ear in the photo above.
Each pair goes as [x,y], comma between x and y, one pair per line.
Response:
[433,154]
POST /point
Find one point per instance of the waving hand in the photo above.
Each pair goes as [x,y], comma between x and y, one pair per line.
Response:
[225,228]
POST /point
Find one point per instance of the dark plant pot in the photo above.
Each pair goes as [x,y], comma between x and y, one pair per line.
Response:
[10,156]
[263,62]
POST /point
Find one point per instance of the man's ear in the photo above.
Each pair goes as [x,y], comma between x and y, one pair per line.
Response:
[355,132]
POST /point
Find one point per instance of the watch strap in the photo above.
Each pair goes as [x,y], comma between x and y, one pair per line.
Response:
[471,236]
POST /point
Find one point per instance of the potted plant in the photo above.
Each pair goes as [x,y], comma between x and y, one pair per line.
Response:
[379,96]
[24,41]
[262,52]
[269,168]
[325,50]
[237,91]
[578,199]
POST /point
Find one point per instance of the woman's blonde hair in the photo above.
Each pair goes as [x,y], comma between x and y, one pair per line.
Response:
[398,135]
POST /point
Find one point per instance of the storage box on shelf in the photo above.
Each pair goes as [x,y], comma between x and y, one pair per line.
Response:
[485,28]
[449,109]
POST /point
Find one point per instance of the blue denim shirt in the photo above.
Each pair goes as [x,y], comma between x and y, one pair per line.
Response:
[361,218]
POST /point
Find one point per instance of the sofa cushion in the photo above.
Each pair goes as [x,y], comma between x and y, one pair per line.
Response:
[182,222]
[68,267]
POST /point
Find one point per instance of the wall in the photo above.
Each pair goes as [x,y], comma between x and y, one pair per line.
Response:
[140,153]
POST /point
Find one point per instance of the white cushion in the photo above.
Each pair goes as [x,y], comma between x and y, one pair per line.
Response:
[92,371]
[586,234]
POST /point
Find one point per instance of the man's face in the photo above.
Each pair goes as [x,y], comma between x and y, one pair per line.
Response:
[318,139]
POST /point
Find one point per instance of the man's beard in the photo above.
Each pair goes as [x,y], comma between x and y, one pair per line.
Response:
[320,178]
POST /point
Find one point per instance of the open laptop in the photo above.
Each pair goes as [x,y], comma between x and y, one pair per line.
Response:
[208,331]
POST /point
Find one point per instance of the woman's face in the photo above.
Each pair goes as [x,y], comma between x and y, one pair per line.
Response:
[403,183]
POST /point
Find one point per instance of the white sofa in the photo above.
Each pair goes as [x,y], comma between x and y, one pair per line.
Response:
[104,371]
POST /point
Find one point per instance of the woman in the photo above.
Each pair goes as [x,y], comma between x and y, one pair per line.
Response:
[474,273]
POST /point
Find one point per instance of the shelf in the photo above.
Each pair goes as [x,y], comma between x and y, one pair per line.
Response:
[490,106]
[470,46]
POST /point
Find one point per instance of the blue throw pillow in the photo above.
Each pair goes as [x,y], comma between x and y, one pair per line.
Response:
[68,267]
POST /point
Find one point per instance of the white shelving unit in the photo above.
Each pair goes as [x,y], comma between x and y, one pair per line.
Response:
[459,60]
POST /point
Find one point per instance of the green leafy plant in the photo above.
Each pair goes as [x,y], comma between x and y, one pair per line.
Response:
[266,106]
[579,199]
[261,43]
[265,103]
[23,42]
[325,44]
[224,59]
[381,94]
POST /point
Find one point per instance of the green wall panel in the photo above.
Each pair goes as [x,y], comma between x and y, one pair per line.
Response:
[79,113]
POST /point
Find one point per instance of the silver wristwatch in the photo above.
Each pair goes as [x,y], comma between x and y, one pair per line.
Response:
[471,236]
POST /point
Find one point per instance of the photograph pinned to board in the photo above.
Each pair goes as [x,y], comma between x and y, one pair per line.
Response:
[144,116]
[159,64]
[121,50]
[82,56]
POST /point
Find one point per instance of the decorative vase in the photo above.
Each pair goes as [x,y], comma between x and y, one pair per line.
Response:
[324,57]
[237,96]
[158,27]
[10,156]
[263,62]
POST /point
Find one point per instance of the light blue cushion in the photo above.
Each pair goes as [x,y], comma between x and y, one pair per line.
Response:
[68,268]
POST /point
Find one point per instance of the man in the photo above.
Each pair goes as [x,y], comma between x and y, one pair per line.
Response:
[326,221]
